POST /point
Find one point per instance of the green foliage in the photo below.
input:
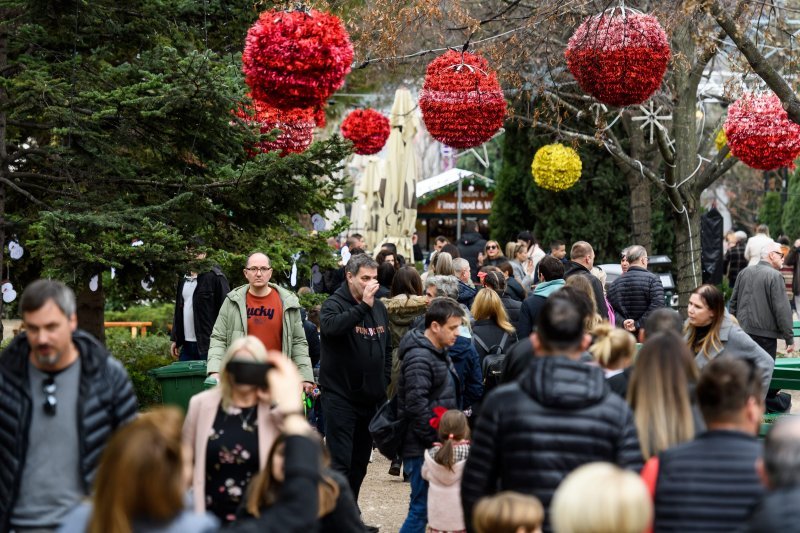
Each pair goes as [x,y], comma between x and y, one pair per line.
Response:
[119,128]
[140,355]
[311,299]
[160,314]
[791,211]
[771,212]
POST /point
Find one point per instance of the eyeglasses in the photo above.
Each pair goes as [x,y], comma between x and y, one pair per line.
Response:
[491,247]
[257,270]
[777,252]
[50,402]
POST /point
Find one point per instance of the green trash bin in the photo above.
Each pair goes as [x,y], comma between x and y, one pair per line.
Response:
[180,381]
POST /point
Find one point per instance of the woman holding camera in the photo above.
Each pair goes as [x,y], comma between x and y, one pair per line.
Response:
[228,431]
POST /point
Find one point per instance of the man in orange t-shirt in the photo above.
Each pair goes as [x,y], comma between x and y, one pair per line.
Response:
[266,311]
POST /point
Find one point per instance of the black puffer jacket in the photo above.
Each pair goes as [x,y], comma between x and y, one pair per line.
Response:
[513,308]
[469,246]
[428,379]
[777,511]
[530,434]
[106,400]
[635,295]
[491,334]
[576,269]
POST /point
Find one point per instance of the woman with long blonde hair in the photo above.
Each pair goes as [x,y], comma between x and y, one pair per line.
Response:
[491,327]
[660,394]
[141,481]
[583,284]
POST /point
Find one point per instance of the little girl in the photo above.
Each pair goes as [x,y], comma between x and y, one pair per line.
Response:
[443,469]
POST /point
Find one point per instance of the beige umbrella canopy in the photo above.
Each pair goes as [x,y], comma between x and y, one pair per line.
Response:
[367,205]
[398,213]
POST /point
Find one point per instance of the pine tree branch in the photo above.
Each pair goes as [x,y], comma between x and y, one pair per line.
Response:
[757,61]
[22,191]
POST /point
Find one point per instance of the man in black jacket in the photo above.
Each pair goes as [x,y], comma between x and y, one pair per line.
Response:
[428,379]
[470,245]
[556,417]
[581,262]
[355,367]
[62,397]
[197,303]
[780,473]
[637,293]
[710,483]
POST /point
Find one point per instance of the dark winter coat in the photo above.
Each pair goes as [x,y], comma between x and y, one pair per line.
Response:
[515,290]
[428,379]
[734,262]
[403,310]
[468,368]
[530,434]
[212,287]
[635,295]
[576,269]
[356,357]
[529,311]
[708,484]
[469,246]
[466,294]
[777,511]
[491,334]
[106,401]
[512,308]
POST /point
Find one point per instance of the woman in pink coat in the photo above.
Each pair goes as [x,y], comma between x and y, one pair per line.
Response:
[228,433]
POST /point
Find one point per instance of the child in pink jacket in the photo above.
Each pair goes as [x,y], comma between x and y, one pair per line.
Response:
[443,469]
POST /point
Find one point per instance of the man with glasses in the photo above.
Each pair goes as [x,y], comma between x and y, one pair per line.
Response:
[266,311]
[62,395]
[760,305]
[636,294]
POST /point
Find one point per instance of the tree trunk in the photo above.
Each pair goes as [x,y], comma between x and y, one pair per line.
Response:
[687,255]
[3,153]
[641,211]
[686,218]
[91,310]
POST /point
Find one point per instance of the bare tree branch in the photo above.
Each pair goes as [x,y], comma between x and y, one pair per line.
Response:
[22,191]
[760,65]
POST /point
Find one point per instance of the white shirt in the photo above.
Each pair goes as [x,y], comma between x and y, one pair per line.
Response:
[189,285]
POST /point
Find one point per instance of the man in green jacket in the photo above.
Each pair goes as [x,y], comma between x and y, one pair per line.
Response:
[262,309]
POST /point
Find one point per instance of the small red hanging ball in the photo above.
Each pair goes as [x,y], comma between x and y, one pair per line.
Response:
[760,133]
[368,129]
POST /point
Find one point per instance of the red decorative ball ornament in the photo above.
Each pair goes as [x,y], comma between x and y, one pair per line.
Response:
[619,56]
[760,133]
[296,58]
[461,100]
[368,129]
[296,125]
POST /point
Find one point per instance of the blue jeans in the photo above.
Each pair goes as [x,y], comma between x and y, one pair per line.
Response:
[189,352]
[417,517]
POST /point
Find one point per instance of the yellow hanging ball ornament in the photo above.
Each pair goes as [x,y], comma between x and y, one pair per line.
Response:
[556,167]
[720,141]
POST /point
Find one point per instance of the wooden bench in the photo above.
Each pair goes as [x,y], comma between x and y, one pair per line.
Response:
[786,376]
[135,327]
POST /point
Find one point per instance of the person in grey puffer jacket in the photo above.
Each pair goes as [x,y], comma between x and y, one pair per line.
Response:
[557,416]
[428,380]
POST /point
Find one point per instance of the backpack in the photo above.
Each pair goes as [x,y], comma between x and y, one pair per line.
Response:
[492,363]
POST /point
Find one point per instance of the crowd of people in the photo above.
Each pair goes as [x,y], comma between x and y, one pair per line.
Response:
[535,396]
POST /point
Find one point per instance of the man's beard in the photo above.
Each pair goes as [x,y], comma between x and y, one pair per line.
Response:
[48,360]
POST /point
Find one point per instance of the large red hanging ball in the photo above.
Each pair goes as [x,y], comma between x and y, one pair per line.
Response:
[760,133]
[461,100]
[619,57]
[296,58]
[296,125]
[368,129]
